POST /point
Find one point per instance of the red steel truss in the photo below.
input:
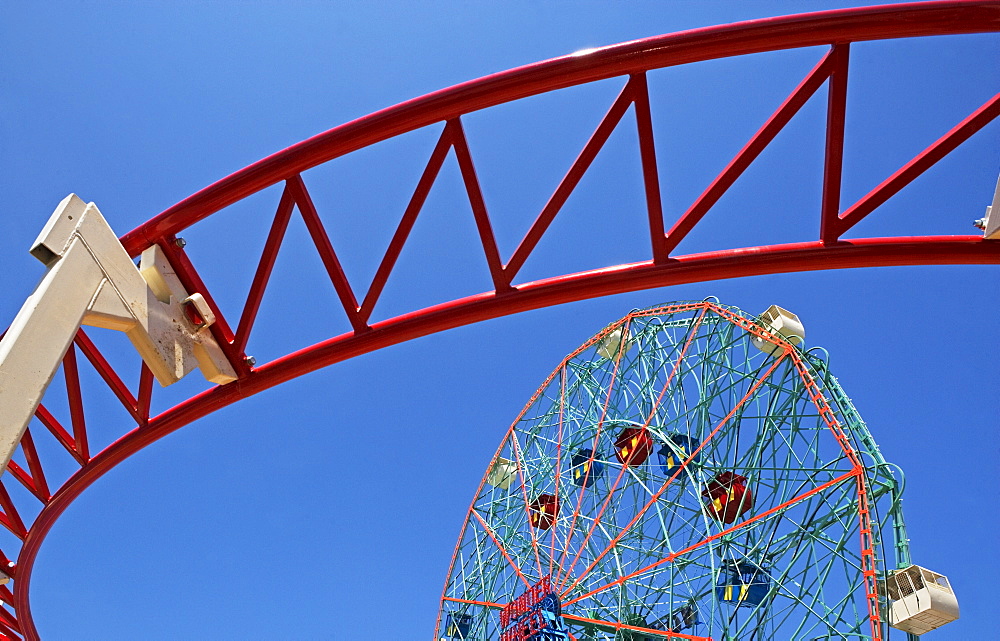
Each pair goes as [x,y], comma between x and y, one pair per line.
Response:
[835,29]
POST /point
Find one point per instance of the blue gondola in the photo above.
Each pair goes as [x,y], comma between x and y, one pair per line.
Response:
[458,626]
[742,584]
[675,451]
[585,460]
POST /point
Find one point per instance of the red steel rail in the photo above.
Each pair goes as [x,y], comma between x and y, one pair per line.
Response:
[631,60]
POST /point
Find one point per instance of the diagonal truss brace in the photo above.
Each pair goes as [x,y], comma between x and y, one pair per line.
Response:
[91,280]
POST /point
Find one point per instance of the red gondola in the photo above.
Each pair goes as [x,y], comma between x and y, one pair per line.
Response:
[633,446]
[543,511]
[728,497]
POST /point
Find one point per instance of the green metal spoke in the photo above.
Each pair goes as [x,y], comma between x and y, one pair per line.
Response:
[640,541]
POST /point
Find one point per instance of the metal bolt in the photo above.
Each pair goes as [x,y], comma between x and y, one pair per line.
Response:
[250,360]
[180,242]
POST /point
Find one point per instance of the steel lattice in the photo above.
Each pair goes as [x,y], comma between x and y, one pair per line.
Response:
[29,518]
[631,540]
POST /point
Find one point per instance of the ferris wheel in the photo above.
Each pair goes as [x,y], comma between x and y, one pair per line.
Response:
[686,473]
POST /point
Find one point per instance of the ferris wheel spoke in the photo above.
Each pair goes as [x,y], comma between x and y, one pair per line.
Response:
[635,519]
[514,566]
[614,627]
[676,366]
[564,571]
[642,548]
[673,556]
[559,460]
[485,604]
[521,471]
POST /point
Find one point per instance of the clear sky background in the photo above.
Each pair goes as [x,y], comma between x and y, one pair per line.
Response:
[328,508]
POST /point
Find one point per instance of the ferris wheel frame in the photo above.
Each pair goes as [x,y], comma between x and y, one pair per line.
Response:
[631,60]
[503,517]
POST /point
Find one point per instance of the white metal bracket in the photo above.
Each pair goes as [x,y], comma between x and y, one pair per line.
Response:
[91,280]
[990,223]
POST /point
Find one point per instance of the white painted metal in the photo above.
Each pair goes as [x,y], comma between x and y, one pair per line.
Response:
[991,222]
[609,345]
[781,322]
[502,473]
[91,280]
[919,600]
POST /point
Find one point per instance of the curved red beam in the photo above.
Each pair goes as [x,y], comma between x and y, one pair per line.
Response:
[735,263]
[741,38]
[824,28]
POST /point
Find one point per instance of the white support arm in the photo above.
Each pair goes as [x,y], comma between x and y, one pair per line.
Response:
[92,281]
[991,222]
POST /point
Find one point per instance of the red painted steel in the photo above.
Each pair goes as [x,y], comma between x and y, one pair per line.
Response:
[58,431]
[833,168]
[264,268]
[631,60]
[108,374]
[501,281]
[145,394]
[11,518]
[769,34]
[571,180]
[39,486]
[406,223]
[326,252]
[921,163]
[687,269]
[192,282]
[75,397]
[760,140]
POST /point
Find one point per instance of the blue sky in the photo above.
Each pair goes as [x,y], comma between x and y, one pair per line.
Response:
[328,508]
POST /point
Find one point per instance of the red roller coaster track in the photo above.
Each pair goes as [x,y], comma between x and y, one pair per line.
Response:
[630,61]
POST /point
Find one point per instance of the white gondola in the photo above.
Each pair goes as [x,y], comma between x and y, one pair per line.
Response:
[919,600]
[781,322]
[610,345]
[502,473]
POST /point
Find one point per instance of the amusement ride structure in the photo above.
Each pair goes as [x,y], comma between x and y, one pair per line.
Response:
[688,473]
[738,492]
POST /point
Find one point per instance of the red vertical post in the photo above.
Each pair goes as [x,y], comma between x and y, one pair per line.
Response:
[750,151]
[145,394]
[833,169]
[650,173]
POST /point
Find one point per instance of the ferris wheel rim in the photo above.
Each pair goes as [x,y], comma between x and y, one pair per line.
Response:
[814,375]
